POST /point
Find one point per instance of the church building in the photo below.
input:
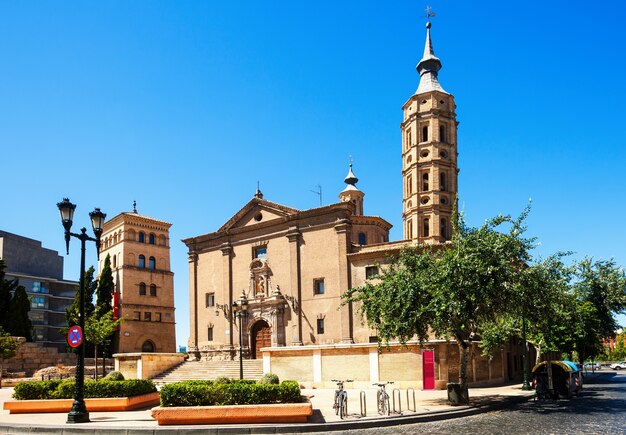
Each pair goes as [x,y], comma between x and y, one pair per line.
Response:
[288,268]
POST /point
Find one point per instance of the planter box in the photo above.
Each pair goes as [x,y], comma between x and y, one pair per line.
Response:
[275,413]
[93,405]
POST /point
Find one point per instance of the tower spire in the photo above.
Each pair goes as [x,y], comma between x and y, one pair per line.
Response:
[429,66]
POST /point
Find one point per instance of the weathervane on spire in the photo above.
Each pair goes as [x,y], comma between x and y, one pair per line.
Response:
[429,12]
[134,206]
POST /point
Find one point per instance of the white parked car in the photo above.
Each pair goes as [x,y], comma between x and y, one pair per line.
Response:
[618,366]
[593,366]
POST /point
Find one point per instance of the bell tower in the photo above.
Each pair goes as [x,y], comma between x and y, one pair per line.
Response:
[429,155]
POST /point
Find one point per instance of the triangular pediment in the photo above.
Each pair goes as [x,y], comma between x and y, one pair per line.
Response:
[257,211]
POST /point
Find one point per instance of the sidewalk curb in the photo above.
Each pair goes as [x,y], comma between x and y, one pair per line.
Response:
[464,411]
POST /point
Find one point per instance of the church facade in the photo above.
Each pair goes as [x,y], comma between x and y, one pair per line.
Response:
[292,266]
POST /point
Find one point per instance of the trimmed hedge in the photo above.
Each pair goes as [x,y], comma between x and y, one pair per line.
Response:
[206,393]
[41,390]
[114,376]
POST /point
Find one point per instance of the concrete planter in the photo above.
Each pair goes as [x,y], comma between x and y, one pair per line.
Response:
[275,413]
[93,405]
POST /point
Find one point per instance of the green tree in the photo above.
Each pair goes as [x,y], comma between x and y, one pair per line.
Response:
[454,290]
[105,289]
[8,348]
[72,313]
[99,328]
[603,284]
[19,324]
[7,287]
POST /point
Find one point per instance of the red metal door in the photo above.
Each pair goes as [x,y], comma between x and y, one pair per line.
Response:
[428,369]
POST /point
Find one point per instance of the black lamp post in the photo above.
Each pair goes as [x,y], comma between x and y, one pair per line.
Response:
[526,385]
[78,413]
[241,311]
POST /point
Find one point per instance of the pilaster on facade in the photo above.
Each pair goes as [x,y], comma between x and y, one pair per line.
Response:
[342,228]
[294,236]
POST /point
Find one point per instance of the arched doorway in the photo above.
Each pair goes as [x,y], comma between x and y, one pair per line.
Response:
[147,346]
[261,337]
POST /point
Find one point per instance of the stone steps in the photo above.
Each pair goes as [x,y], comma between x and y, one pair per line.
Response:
[252,369]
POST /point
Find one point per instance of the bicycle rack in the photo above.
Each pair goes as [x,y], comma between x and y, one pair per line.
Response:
[363,404]
[393,394]
[408,402]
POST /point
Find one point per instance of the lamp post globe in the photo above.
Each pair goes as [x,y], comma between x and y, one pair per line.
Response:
[79,413]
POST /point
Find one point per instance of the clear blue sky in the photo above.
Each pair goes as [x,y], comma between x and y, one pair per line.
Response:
[183,106]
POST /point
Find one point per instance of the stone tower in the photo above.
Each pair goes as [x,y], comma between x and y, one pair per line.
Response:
[144,284]
[429,155]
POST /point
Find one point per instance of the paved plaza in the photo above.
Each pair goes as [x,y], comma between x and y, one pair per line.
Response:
[429,406]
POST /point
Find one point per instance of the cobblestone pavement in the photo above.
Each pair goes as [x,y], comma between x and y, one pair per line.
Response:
[601,409]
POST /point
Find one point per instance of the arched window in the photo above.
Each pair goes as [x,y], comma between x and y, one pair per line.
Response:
[426,224]
[442,133]
[142,289]
[443,228]
[148,346]
[142,262]
[362,239]
[152,290]
[408,138]
[442,181]
[114,261]
[115,238]
[151,238]
[152,263]
[425,181]
[409,185]
[409,229]
[425,133]
[141,237]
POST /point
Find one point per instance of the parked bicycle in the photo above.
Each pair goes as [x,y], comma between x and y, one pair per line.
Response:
[382,398]
[340,405]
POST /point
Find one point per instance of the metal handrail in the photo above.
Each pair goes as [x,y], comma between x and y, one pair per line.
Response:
[408,402]
[393,395]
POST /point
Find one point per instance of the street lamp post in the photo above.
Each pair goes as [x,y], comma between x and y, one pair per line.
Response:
[241,311]
[526,385]
[78,413]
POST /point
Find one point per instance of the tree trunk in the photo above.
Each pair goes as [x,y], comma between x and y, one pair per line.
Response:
[1,370]
[95,362]
[463,360]
[457,392]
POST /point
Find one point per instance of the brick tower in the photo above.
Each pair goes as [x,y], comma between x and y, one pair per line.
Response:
[144,284]
[429,155]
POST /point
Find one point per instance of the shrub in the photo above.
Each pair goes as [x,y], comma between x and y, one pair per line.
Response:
[269,378]
[222,380]
[234,393]
[39,390]
[114,376]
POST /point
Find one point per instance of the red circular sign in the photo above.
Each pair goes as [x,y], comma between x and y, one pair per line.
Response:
[75,336]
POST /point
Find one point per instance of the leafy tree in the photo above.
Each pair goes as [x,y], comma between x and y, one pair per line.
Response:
[72,313]
[455,290]
[7,287]
[8,348]
[99,328]
[19,324]
[105,288]
[603,284]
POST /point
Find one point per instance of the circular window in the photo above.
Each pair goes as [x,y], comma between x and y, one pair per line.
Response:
[424,101]
[443,154]
[442,102]
[258,217]
[444,200]
[425,200]
[424,153]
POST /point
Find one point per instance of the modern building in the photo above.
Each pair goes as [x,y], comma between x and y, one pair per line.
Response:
[290,267]
[40,271]
[139,250]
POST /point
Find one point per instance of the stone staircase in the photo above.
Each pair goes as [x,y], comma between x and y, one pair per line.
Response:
[252,369]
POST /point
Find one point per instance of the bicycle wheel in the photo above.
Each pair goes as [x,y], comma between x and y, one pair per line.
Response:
[380,403]
[336,404]
[387,409]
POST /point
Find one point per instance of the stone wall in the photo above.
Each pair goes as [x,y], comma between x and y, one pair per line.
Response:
[34,356]
[146,365]
[316,366]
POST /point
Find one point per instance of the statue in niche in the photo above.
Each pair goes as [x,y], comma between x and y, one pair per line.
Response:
[260,285]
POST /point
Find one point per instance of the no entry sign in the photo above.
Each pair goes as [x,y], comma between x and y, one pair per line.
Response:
[75,336]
